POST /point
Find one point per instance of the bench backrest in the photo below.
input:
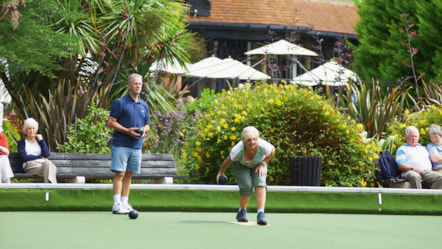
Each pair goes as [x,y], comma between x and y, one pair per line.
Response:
[98,165]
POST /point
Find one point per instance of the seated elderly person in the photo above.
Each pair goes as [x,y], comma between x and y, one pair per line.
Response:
[435,147]
[413,159]
[34,153]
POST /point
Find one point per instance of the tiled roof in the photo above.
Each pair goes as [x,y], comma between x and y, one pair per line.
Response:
[320,15]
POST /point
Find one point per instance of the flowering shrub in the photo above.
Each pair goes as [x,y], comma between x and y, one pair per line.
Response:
[422,120]
[167,129]
[296,121]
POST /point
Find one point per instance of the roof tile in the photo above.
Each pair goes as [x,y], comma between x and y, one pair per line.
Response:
[320,15]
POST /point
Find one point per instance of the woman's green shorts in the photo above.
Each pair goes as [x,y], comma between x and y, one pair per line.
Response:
[247,178]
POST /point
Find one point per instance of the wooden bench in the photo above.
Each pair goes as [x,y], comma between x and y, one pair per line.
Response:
[397,182]
[76,168]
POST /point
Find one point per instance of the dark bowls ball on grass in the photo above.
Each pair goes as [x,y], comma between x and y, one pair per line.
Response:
[133,214]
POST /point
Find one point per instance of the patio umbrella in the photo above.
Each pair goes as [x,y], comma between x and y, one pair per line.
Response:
[226,69]
[281,47]
[170,67]
[204,64]
[330,73]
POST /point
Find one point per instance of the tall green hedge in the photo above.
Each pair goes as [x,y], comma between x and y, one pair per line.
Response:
[296,120]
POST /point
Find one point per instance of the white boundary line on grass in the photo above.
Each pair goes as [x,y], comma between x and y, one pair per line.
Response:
[209,187]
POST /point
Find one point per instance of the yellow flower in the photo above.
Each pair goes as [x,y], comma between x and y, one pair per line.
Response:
[197,166]
[278,103]
[207,170]
[233,137]
[207,155]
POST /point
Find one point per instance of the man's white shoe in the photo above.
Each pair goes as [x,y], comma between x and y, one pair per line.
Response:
[119,209]
[127,207]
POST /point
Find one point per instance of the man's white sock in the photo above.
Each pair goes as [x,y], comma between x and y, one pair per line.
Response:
[117,199]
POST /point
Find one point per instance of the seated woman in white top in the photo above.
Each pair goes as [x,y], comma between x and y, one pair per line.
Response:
[34,153]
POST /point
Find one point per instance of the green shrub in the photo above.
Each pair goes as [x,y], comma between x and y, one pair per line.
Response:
[11,133]
[422,120]
[90,134]
[297,121]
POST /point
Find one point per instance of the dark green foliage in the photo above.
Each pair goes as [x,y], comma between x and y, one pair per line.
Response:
[429,17]
[380,54]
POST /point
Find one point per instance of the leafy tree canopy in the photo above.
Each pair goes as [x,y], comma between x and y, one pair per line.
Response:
[27,42]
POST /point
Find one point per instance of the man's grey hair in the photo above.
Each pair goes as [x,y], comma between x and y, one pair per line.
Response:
[129,79]
[435,129]
[410,129]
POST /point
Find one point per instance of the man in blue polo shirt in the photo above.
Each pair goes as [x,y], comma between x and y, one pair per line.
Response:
[128,113]
[413,159]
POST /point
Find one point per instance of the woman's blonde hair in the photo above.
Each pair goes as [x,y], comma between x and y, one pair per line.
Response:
[30,122]
[249,131]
